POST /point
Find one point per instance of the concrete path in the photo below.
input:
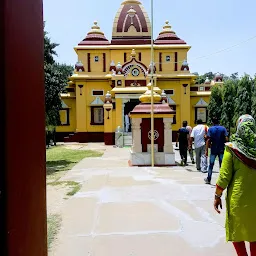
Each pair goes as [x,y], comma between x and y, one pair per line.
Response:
[124,211]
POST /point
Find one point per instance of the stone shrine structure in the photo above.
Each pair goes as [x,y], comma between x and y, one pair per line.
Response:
[141,131]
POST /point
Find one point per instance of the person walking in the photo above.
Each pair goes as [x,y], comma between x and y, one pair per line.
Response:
[217,136]
[198,134]
[127,123]
[190,148]
[238,175]
[182,138]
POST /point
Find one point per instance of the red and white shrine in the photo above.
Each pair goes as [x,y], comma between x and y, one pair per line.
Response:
[140,154]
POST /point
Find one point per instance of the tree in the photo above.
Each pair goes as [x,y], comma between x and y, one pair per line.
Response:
[56,78]
[228,106]
[254,99]
[215,104]
[201,78]
[243,103]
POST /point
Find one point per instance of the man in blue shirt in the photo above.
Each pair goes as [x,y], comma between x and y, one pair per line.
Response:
[217,136]
[182,138]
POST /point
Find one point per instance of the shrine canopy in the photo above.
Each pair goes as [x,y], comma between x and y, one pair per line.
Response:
[161,108]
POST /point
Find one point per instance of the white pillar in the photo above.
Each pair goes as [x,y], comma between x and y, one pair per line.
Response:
[136,135]
[168,147]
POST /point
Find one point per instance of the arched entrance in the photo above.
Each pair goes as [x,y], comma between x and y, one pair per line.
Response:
[128,107]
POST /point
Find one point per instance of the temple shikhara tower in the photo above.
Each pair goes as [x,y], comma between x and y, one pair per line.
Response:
[111,75]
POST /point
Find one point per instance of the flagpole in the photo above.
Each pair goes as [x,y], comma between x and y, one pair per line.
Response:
[152,86]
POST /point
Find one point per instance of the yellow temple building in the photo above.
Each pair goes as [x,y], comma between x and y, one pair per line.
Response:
[121,68]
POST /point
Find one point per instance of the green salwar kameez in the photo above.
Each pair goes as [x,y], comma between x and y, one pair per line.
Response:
[240,181]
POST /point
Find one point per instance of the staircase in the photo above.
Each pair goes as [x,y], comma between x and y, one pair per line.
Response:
[128,139]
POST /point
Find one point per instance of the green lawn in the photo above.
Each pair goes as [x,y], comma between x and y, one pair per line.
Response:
[59,160]
[62,159]
[53,226]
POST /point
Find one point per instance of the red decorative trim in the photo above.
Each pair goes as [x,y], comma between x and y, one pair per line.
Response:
[139,56]
[176,61]
[207,88]
[109,138]
[129,62]
[89,62]
[160,61]
[125,57]
[247,161]
[130,41]
[104,62]
[169,38]
[94,43]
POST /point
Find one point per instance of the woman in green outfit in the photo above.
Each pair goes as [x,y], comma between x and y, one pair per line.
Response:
[238,175]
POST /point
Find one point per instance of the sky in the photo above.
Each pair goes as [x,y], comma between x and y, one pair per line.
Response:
[221,32]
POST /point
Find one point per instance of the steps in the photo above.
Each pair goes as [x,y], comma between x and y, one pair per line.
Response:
[128,139]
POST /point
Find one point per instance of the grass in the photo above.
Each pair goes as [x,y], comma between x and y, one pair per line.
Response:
[74,189]
[53,226]
[74,186]
[62,159]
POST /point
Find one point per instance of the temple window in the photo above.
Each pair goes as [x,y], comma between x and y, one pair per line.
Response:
[97,93]
[201,88]
[96,58]
[201,113]
[168,58]
[169,92]
[64,116]
[97,115]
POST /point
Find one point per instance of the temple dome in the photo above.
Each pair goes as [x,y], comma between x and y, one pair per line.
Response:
[168,36]
[146,97]
[218,78]
[95,36]
[131,24]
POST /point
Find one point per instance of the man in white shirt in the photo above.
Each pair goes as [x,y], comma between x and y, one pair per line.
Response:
[199,134]
[127,123]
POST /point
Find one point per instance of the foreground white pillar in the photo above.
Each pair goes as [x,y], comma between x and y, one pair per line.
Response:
[168,147]
[136,135]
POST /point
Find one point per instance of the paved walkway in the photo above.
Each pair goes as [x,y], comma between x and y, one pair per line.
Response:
[124,211]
